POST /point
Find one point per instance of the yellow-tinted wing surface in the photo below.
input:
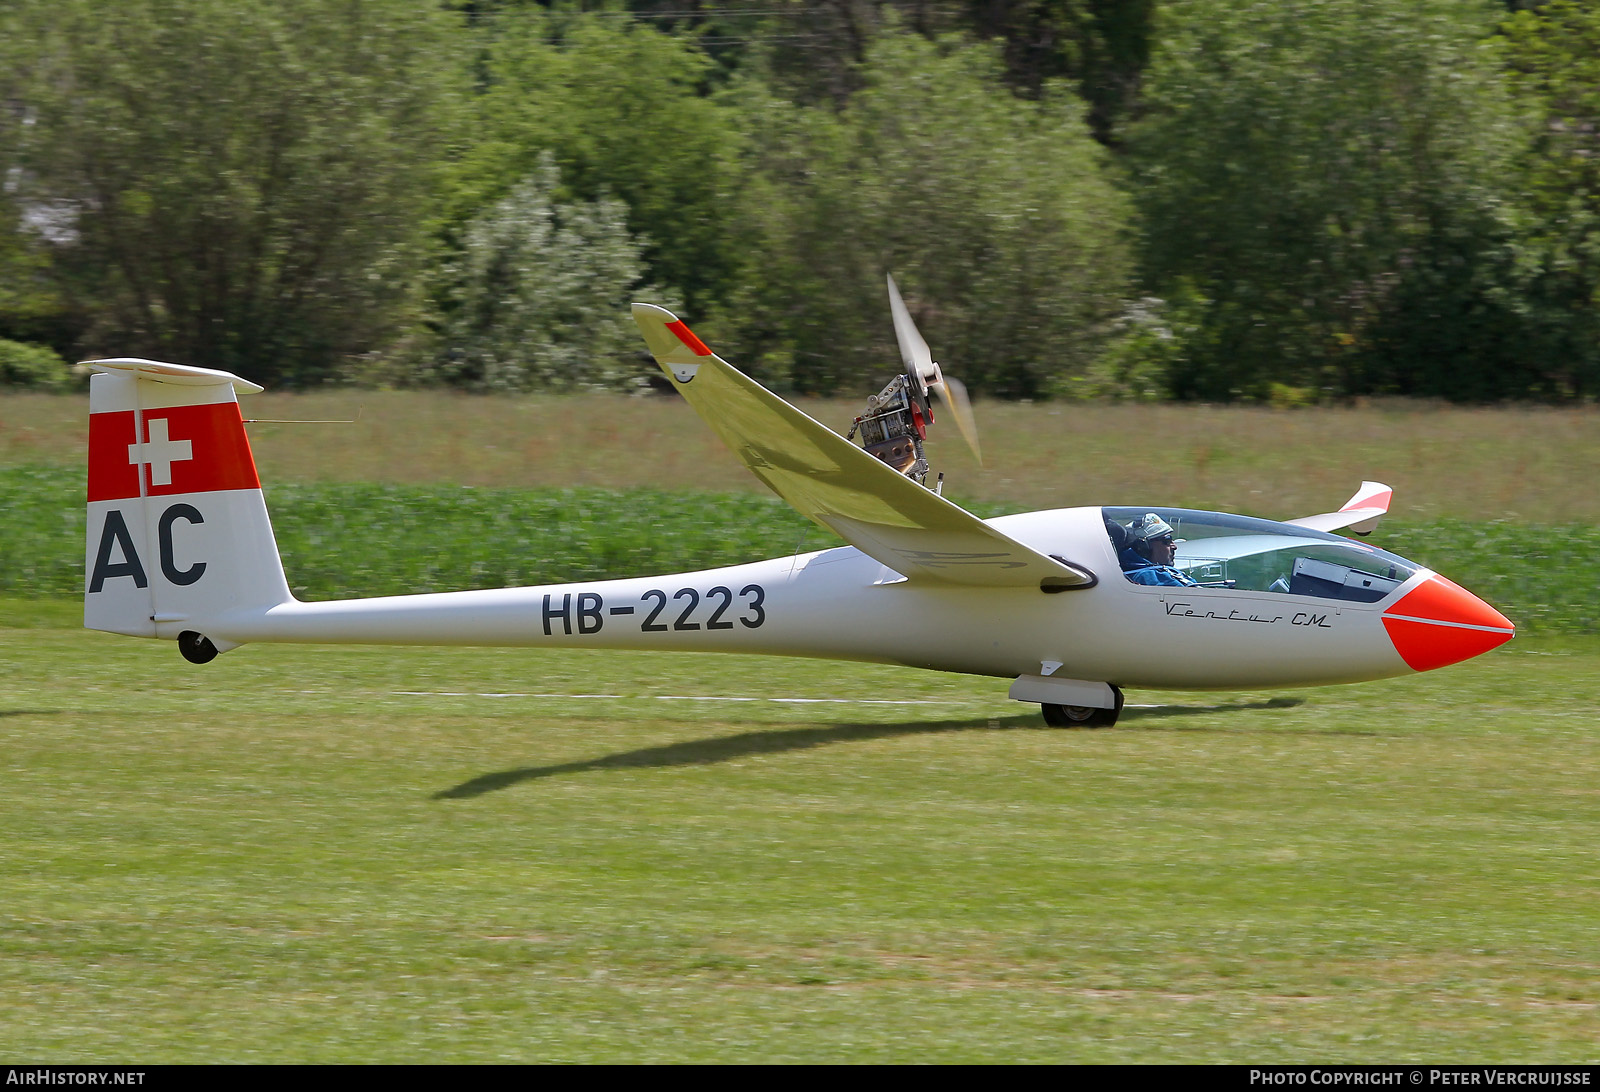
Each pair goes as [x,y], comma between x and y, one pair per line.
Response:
[882,513]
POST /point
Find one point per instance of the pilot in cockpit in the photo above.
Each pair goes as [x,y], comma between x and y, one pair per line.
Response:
[1146,550]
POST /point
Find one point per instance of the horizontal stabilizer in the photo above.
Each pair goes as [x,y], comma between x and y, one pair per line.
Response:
[836,484]
[180,374]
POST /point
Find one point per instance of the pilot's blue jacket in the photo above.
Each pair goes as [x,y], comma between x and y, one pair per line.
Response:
[1141,570]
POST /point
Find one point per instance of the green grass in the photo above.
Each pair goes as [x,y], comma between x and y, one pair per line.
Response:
[1526,464]
[355,854]
[372,854]
[341,539]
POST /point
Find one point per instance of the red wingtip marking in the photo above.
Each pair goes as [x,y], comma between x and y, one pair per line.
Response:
[1377,500]
[1439,623]
[686,335]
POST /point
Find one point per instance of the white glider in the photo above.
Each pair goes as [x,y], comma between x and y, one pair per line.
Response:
[180,547]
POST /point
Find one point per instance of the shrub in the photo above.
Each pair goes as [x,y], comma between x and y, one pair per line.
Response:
[32,367]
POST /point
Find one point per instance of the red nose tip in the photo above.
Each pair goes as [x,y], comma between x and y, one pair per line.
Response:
[1439,622]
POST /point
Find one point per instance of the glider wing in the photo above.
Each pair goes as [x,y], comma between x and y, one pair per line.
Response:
[1360,513]
[836,484]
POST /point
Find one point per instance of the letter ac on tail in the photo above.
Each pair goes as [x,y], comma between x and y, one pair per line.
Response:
[178,533]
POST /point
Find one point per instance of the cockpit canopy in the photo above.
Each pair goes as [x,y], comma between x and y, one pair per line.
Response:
[1227,551]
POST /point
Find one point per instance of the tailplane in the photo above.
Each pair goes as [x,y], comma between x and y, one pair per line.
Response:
[178,532]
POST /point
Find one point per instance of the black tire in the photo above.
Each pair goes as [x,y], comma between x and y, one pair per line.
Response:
[1083,716]
[1067,716]
[196,647]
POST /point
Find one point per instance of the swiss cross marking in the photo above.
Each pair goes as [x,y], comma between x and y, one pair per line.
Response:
[160,452]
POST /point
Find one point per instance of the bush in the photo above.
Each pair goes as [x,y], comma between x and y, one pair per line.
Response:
[32,367]
[997,216]
[1336,180]
[238,184]
[541,295]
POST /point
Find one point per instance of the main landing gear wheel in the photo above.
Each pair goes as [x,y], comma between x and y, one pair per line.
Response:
[1083,716]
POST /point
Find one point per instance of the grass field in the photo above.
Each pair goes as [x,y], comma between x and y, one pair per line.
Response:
[371,854]
[1536,465]
[327,854]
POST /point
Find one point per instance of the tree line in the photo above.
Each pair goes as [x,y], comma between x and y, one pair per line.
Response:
[1274,200]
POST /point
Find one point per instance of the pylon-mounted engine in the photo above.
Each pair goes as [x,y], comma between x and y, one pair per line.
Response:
[897,418]
[894,425]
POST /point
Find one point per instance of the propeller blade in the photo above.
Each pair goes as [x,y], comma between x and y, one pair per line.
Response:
[954,393]
[919,362]
[913,350]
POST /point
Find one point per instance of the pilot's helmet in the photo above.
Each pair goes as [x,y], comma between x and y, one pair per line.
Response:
[1147,528]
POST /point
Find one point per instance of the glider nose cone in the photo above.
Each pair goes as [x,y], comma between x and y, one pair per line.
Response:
[1439,622]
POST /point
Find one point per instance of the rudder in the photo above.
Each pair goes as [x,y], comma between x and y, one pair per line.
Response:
[178,531]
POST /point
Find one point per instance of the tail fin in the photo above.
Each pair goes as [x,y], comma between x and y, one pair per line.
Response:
[178,532]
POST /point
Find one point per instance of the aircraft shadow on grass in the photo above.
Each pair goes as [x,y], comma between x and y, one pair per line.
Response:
[1163,712]
[705,752]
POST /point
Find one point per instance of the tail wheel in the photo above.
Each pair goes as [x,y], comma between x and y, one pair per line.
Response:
[1083,716]
[196,647]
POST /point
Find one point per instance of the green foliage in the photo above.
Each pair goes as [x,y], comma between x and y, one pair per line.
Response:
[621,110]
[996,216]
[1332,198]
[1552,57]
[341,540]
[541,295]
[44,514]
[235,183]
[1101,45]
[30,304]
[1152,340]
[1333,178]
[31,366]
[1541,577]
[352,539]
